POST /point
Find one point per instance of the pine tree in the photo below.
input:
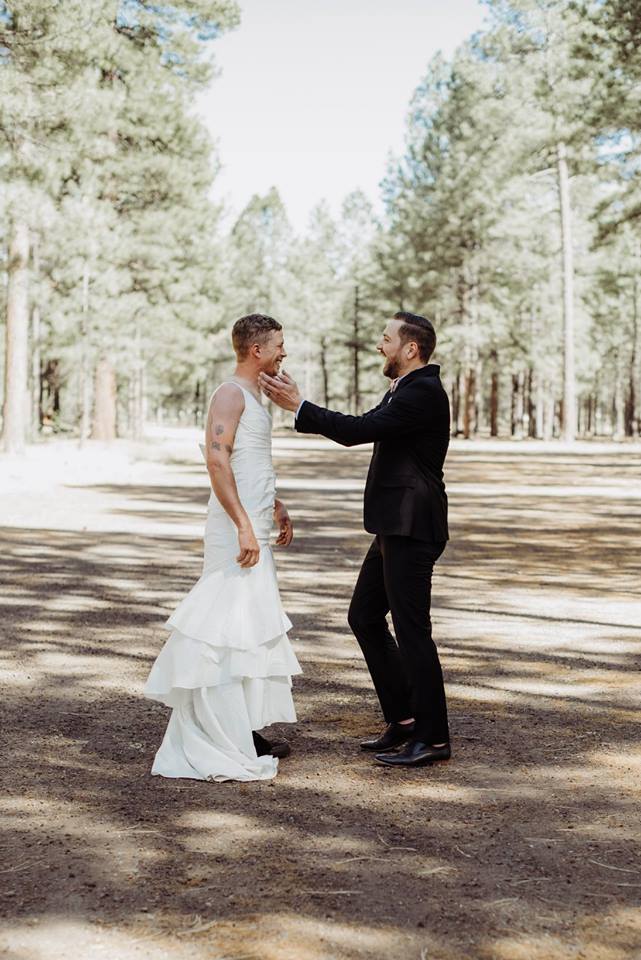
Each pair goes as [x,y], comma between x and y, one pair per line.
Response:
[125,170]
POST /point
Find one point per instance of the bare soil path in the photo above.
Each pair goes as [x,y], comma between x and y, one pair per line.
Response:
[526,846]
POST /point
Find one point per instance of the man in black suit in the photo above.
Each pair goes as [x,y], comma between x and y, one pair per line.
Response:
[406,509]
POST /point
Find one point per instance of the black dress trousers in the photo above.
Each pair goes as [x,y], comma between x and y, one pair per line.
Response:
[396,578]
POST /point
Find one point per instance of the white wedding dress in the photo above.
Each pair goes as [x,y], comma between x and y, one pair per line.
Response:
[226,668]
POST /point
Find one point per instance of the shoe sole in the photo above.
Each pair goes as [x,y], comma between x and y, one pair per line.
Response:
[416,763]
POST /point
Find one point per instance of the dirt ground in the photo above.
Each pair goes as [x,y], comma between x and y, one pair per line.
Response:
[526,846]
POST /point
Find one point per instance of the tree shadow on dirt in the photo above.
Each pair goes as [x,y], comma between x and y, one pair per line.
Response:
[531,830]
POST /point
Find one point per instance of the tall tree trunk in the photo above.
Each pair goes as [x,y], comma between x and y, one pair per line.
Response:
[356,357]
[456,403]
[308,370]
[324,370]
[85,368]
[631,397]
[539,408]
[479,412]
[532,382]
[569,388]
[494,395]
[104,423]
[596,409]
[137,401]
[517,405]
[16,398]
[36,361]
[619,402]
[198,403]
[468,403]
[549,407]
[36,380]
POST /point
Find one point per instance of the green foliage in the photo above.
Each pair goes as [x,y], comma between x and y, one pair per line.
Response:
[101,154]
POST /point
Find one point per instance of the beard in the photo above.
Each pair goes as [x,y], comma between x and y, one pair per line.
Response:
[390,368]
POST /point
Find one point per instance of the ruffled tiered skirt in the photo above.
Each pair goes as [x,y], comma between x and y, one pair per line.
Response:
[225,670]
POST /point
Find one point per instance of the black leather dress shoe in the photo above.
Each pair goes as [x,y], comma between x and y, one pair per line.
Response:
[273,748]
[280,749]
[417,753]
[394,736]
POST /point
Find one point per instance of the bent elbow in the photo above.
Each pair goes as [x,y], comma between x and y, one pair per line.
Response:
[215,464]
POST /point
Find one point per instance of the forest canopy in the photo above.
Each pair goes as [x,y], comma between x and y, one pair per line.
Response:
[512,218]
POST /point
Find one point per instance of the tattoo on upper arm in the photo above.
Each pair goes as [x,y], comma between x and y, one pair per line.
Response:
[219,429]
[217,445]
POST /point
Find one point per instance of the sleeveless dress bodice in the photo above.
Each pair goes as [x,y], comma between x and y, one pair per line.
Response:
[251,463]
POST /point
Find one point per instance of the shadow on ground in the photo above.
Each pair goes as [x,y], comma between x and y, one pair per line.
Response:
[526,845]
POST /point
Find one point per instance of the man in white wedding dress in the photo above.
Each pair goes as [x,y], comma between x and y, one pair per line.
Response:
[226,668]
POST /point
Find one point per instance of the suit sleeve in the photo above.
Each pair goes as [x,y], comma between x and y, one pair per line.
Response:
[405,413]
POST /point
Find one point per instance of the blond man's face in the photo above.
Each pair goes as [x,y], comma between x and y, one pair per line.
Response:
[272,352]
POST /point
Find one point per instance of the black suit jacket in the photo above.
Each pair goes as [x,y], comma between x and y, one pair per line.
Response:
[405,494]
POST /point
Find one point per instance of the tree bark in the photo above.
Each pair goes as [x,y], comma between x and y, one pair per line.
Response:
[479,412]
[631,423]
[518,389]
[16,397]
[36,362]
[324,370]
[494,395]
[539,411]
[198,404]
[619,403]
[468,402]
[85,370]
[356,359]
[104,423]
[569,387]
[532,382]
[457,402]
[549,405]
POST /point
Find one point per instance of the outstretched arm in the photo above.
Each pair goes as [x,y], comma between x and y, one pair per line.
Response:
[404,414]
[225,411]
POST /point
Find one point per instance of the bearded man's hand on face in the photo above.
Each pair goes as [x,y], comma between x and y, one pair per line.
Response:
[282,390]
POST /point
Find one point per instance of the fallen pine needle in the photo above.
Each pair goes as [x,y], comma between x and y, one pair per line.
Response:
[609,866]
[329,893]
[353,859]
[528,880]
[494,903]
[199,929]
[387,844]
[463,853]
[627,884]
[22,866]
[150,936]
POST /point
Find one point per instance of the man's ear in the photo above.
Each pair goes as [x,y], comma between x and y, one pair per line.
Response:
[255,351]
